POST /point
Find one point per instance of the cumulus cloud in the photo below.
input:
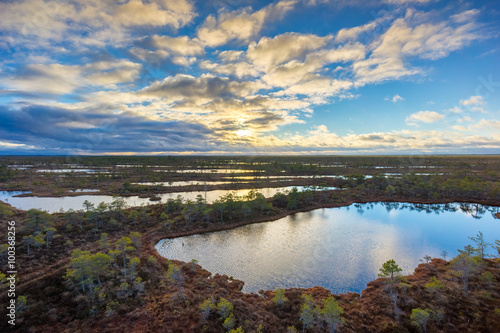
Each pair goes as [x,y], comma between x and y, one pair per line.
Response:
[427,117]
[271,52]
[473,100]
[240,25]
[99,21]
[474,103]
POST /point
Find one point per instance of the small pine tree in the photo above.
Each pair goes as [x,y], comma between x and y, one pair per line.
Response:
[389,268]
[280,298]
[420,318]
[224,308]
[306,312]
[206,307]
[331,313]
[175,275]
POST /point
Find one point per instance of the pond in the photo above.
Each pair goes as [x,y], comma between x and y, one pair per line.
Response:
[340,249]
[56,204]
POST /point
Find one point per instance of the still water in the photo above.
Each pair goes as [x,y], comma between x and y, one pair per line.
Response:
[56,204]
[340,249]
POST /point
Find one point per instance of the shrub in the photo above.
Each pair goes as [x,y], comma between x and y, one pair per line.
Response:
[224,308]
[280,298]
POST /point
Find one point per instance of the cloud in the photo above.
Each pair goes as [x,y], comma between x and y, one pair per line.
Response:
[487,124]
[318,87]
[455,109]
[90,22]
[474,103]
[238,69]
[473,100]
[240,25]
[400,2]
[320,139]
[183,45]
[58,79]
[271,52]
[427,117]
[95,131]
[396,98]
[412,36]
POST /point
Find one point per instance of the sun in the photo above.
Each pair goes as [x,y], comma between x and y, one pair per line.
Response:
[243,132]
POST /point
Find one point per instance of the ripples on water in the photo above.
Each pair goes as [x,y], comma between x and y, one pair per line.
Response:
[340,249]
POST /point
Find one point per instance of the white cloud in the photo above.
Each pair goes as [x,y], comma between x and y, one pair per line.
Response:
[455,109]
[412,36]
[102,21]
[239,69]
[271,52]
[396,98]
[241,25]
[465,16]
[487,125]
[318,87]
[182,46]
[58,79]
[427,117]
[474,103]
[473,100]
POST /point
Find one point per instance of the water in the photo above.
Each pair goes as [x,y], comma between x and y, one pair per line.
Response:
[56,204]
[340,249]
[183,183]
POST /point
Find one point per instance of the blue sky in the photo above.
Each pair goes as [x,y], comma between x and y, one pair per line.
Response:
[249,77]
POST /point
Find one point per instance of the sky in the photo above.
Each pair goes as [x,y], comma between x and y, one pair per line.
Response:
[223,77]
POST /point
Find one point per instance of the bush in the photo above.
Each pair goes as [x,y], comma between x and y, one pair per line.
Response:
[224,308]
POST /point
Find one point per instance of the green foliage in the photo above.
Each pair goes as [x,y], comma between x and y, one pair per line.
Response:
[420,318]
[86,268]
[192,265]
[103,241]
[139,285]
[21,304]
[481,244]
[389,268]
[279,297]
[38,241]
[229,323]
[28,241]
[331,313]
[5,211]
[291,329]
[152,260]
[123,245]
[468,250]
[3,252]
[466,267]
[306,312]
[206,307]
[175,275]
[37,220]
[224,308]
[426,259]
[124,289]
[50,233]
[488,278]
[237,330]
[435,285]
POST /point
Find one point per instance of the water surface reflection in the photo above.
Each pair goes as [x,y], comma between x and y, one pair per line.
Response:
[340,249]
